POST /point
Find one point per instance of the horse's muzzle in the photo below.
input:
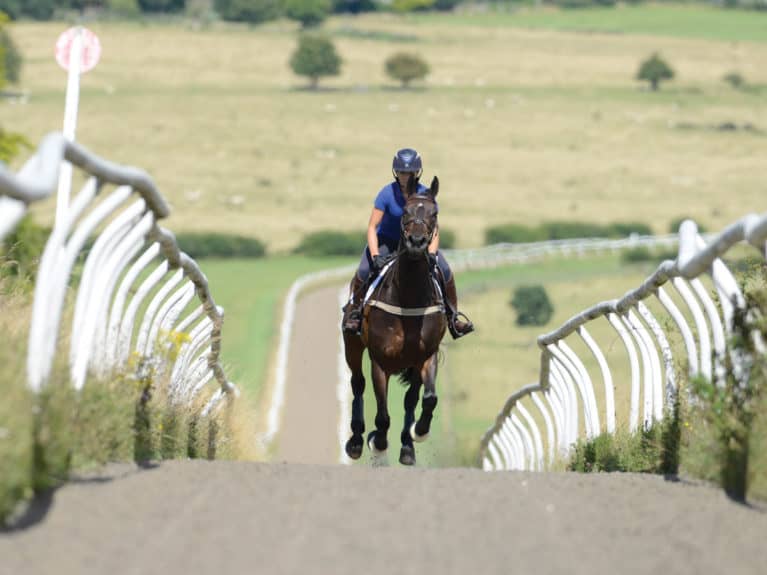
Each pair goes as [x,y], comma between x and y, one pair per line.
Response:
[416,244]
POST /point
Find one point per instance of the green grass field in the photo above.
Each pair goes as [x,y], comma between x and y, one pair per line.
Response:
[691,21]
[520,124]
[252,293]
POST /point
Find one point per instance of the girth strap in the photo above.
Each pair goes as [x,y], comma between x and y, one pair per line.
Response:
[406,311]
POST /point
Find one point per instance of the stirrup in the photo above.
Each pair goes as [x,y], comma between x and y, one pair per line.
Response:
[468,325]
[353,323]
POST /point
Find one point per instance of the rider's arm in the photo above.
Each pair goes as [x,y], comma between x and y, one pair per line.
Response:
[375,218]
[434,245]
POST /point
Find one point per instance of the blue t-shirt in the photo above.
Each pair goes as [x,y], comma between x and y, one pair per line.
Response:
[391,201]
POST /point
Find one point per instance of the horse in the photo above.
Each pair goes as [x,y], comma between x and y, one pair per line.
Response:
[402,327]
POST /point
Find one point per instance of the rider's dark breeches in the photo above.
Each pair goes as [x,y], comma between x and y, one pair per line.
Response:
[386,247]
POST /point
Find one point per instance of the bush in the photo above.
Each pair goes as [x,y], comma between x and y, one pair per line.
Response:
[354,6]
[252,11]
[532,305]
[331,243]
[11,7]
[562,230]
[23,248]
[124,8]
[217,245]
[11,58]
[36,9]
[653,70]
[732,406]
[308,12]
[514,234]
[405,68]
[734,79]
[411,5]
[315,57]
[446,239]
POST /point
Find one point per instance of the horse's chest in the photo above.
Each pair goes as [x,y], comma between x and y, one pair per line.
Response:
[402,338]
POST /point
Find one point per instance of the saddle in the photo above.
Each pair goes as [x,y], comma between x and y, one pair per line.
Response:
[442,305]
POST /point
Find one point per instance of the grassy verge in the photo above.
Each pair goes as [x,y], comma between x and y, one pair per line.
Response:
[45,436]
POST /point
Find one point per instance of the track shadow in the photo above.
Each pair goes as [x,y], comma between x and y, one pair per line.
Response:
[34,513]
[36,510]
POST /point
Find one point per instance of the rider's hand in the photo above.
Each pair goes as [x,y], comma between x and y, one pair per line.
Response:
[432,259]
[379,262]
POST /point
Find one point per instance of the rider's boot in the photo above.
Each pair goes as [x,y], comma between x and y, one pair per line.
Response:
[352,321]
[458,324]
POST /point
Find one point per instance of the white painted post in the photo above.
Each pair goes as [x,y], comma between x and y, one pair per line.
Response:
[70,123]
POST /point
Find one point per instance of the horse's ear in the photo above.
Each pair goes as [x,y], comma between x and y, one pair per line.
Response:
[434,189]
[411,187]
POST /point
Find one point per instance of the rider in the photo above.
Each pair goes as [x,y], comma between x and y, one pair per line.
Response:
[383,239]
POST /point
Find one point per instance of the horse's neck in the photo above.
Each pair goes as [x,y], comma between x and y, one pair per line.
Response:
[412,282]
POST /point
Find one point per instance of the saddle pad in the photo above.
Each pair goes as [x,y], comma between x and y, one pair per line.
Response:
[384,271]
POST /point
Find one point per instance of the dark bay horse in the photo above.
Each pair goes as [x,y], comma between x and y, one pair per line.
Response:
[403,325]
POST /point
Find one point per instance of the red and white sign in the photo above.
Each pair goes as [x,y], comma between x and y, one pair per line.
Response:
[90,49]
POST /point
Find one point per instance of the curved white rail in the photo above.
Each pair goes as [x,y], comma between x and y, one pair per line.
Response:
[650,356]
[104,338]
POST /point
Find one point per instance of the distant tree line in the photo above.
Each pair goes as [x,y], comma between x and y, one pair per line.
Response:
[308,12]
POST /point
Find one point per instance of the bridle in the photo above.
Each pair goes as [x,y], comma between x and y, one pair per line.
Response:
[419,219]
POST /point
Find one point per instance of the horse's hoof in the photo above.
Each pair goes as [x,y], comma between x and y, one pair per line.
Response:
[354,446]
[407,455]
[372,444]
[417,438]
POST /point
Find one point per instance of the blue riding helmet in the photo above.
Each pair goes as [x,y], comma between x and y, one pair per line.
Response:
[407,160]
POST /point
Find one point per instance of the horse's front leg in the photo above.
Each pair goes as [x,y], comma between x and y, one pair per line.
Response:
[377,440]
[407,453]
[420,430]
[354,350]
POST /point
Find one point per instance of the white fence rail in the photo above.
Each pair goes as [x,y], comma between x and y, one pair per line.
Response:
[566,391]
[134,304]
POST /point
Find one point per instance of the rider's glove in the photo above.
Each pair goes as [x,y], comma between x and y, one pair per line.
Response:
[379,262]
[432,260]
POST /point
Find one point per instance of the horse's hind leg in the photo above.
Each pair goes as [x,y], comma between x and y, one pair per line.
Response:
[420,431]
[407,453]
[377,440]
[354,350]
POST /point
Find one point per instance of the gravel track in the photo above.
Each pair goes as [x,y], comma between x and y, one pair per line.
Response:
[235,517]
[305,518]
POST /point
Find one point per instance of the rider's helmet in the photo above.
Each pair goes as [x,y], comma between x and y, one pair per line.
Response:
[407,160]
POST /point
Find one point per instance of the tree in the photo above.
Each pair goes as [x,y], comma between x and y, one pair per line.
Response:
[532,305]
[161,5]
[406,68]
[653,70]
[12,8]
[315,57]
[252,11]
[308,12]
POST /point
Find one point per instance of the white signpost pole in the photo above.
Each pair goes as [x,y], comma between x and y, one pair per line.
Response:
[70,123]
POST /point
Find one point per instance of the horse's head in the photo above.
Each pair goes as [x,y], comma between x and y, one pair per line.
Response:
[419,220]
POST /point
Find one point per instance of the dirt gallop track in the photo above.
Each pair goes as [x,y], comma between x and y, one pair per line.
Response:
[223,517]
[304,518]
